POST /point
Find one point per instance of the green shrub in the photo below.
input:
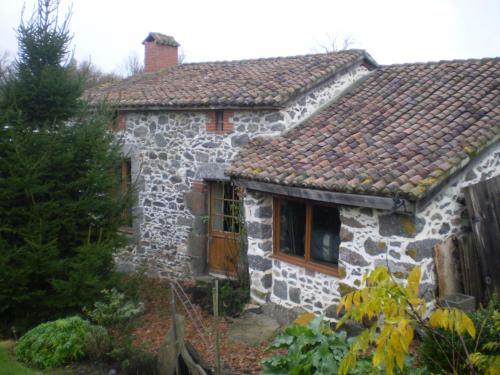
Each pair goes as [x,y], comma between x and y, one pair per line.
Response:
[316,349]
[97,343]
[312,349]
[233,296]
[140,362]
[447,353]
[114,309]
[54,343]
[133,360]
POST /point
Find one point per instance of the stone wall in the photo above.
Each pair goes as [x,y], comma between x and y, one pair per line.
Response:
[173,150]
[369,238]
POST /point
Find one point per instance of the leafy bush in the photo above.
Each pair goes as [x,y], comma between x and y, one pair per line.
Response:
[54,343]
[97,343]
[488,359]
[232,296]
[316,349]
[402,310]
[114,308]
[444,352]
[312,349]
[140,362]
[133,360]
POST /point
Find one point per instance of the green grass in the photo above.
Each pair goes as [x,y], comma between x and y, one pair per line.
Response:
[8,365]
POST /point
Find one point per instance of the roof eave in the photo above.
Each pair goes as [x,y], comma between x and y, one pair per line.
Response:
[393,204]
[138,108]
[459,170]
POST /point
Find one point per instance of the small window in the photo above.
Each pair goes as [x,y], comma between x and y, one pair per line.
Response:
[307,234]
[292,228]
[225,212]
[219,120]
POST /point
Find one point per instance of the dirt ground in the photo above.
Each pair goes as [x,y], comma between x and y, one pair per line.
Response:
[241,350]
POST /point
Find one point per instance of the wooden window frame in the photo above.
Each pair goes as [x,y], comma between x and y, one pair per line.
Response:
[221,233]
[306,262]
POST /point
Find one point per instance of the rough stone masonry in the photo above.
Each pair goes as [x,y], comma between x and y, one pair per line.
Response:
[369,238]
[173,151]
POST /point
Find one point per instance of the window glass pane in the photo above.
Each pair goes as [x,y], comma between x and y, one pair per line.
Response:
[225,213]
[231,224]
[227,199]
[217,218]
[292,228]
[325,235]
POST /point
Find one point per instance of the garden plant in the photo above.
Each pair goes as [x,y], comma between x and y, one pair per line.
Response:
[392,311]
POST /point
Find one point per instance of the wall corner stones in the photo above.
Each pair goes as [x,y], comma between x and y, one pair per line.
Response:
[258,230]
[259,263]
[400,225]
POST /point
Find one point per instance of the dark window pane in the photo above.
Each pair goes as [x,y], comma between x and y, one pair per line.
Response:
[219,120]
[325,235]
[231,224]
[292,228]
[217,213]
[225,213]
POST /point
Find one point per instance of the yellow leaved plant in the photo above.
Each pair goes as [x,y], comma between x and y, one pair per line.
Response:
[396,310]
[489,364]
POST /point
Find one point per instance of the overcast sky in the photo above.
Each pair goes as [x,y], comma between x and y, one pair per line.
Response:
[392,31]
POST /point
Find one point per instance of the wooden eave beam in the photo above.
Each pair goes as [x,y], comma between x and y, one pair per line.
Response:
[358,200]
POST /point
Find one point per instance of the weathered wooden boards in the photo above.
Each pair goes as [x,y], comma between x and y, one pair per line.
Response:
[483,205]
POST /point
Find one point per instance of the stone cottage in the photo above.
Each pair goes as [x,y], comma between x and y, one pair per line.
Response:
[341,164]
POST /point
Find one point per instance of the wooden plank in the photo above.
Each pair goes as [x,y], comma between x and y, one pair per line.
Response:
[446,268]
[359,200]
[470,268]
[483,205]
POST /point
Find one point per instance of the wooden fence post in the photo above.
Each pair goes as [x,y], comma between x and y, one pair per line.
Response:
[174,328]
[216,325]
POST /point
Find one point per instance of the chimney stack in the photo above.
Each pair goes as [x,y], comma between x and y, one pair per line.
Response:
[160,51]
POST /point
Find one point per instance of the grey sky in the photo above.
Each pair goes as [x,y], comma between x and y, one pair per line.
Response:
[392,31]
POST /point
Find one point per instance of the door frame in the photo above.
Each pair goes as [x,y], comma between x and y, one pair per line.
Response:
[226,238]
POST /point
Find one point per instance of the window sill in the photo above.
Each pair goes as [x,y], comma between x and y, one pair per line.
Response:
[332,271]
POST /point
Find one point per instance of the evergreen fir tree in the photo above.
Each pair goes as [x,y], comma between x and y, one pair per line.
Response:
[60,209]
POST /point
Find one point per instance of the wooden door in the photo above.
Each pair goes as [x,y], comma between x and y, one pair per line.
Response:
[224,229]
[483,204]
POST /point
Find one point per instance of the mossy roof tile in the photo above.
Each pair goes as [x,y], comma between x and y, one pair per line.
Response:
[404,129]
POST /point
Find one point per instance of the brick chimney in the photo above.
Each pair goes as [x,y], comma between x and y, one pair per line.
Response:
[160,51]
